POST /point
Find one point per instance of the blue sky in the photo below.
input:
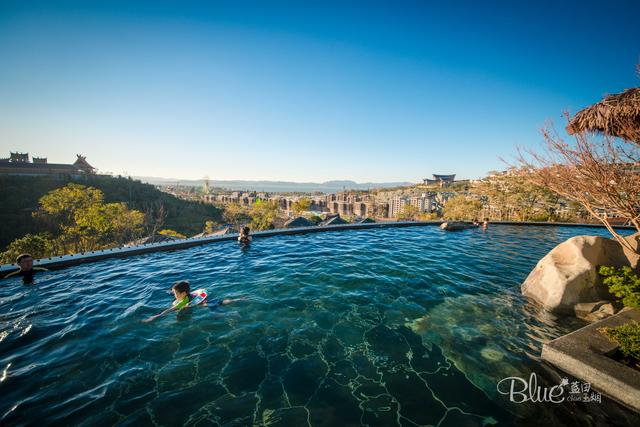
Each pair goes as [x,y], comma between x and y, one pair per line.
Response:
[303,91]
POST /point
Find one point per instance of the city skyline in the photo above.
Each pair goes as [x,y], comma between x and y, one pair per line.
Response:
[281,92]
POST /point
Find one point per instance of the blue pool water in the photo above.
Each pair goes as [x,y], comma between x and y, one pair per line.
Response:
[396,326]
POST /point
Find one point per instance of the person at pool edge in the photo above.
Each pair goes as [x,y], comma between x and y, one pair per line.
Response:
[485,224]
[182,292]
[244,237]
[26,270]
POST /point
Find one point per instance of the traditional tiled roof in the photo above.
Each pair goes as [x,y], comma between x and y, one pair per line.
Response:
[298,222]
[81,163]
[335,220]
[365,221]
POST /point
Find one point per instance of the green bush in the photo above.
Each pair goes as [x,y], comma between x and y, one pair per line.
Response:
[172,233]
[623,283]
[627,337]
[37,245]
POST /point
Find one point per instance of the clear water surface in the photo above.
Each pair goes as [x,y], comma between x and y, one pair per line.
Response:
[395,326]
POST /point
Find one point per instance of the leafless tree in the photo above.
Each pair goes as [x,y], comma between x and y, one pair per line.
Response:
[602,174]
[155,215]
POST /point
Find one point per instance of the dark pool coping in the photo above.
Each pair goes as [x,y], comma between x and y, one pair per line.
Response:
[585,355]
[55,263]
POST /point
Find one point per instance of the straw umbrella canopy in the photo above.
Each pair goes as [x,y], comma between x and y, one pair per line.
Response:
[616,115]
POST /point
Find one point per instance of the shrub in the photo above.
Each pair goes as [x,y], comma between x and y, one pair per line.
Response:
[427,216]
[623,283]
[627,337]
[263,214]
[38,245]
[461,208]
[172,233]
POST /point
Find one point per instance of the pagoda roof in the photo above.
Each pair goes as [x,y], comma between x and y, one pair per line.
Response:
[82,163]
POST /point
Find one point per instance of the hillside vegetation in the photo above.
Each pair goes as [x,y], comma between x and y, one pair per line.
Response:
[19,199]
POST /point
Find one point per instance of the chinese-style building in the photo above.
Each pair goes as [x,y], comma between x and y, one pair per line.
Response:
[441,180]
[19,164]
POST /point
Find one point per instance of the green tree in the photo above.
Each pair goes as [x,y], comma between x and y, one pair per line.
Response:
[461,208]
[300,205]
[623,283]
[64,204]
[86,223]
[263,214]
[38,245]
[427,216]
[102,225]
[210,227]
[236,215]
[408,213]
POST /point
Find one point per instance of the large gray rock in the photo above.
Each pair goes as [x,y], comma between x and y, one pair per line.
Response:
[567,275]
[457,225]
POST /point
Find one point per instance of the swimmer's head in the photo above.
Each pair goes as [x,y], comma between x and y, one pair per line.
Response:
[25,261]
[245,231]
[181,289]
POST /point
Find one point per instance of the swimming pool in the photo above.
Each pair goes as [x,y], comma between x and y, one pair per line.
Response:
[395,326]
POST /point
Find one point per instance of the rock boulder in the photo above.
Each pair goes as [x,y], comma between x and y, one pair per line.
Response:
[457,225]
[567,275]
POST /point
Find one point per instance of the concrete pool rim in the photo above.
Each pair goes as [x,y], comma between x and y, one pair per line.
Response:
[584,354]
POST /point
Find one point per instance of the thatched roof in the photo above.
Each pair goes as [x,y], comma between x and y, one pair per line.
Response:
[616,115]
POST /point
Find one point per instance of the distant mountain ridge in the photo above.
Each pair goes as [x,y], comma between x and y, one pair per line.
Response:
[276,186]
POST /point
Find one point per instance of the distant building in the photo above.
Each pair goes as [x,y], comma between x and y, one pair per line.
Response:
[362,209]
[424,203]
[18,164]
[396,205]
[441,180]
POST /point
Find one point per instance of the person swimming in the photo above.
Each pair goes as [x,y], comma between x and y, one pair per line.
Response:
[183,297]
[26,270]
[244,236]
[182,293]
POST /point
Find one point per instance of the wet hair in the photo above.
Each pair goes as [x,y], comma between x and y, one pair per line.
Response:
[21,257]
[245,230]
[182,287]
